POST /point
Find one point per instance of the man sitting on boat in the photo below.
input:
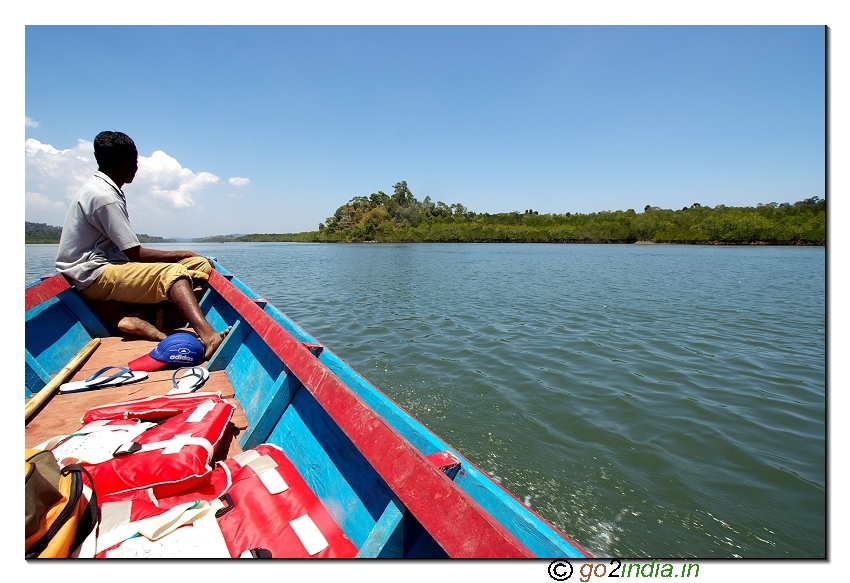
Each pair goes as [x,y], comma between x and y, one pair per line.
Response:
[101,254]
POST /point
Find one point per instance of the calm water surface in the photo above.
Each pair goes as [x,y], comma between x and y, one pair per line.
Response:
[649,400]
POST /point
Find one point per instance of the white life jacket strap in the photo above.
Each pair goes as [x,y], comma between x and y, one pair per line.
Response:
[264,466]
[152,497]
[201,411]
[229,476]
[244,458]
[155,529]
[309,534]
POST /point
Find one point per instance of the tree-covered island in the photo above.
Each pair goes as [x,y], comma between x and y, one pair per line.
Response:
[400,217]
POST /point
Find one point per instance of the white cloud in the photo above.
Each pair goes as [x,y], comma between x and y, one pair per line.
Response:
[163,181]
[39,201]
[238,181]
[53,177]
[31,123]
[236,195]
[161,186]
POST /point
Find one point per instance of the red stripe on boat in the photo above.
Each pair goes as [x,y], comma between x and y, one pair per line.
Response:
[458,523]
[43,291]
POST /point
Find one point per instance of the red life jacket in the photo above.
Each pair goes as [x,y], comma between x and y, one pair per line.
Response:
[173,455]
[149,408]
[269,510]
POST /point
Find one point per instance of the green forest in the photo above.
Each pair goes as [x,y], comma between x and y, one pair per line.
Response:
[401,217]
[44,233]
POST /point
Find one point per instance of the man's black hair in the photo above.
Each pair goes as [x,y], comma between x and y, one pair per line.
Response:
[112,149]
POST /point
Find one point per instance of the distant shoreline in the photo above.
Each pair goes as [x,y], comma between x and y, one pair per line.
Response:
[701,243]
[401,218]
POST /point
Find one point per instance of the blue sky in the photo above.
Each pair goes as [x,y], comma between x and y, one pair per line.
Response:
[269,129]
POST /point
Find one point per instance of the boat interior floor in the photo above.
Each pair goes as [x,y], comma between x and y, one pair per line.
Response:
[62,413]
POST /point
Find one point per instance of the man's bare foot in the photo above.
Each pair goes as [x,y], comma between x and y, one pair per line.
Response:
[212,343]
[137,327]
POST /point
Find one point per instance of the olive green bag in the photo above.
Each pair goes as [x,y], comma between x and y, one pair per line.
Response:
[58,514]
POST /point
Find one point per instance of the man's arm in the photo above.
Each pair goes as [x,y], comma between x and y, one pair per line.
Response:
[111,220]
[148,255]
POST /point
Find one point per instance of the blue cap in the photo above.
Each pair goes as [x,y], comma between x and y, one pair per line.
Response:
[180,349]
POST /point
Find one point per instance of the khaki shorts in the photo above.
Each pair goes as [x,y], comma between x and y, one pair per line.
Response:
[146,283]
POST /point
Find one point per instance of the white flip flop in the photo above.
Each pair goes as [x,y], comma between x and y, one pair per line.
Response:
[100,380]
[191,379]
